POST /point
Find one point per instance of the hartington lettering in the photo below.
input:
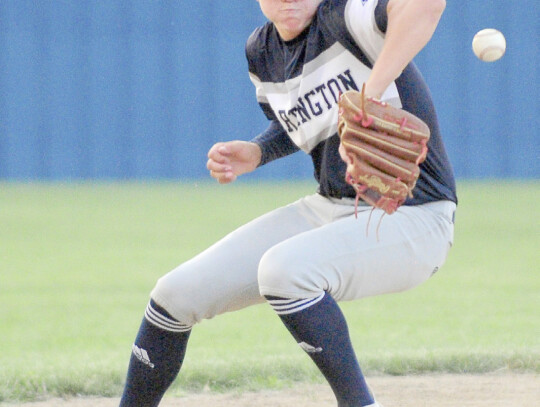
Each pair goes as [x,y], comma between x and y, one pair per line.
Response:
[318,100]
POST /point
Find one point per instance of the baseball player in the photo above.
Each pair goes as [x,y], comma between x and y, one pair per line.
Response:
[304,258]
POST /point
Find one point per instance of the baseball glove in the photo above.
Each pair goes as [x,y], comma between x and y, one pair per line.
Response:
[385,146]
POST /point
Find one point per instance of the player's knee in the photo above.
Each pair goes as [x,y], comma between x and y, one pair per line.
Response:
[281,273]
[161,318]
[175,300]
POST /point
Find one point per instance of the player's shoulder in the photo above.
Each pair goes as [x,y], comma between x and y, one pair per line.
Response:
[330,10]
[262,51]
[259,39]
[336,11]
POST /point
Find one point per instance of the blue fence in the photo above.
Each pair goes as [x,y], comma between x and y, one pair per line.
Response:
[138,89]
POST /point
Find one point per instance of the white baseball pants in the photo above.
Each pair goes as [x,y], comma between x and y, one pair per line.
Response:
[313,245]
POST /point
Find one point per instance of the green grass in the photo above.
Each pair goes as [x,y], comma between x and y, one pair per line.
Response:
[77,262]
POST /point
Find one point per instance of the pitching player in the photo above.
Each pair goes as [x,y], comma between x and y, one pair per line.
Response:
[307,256]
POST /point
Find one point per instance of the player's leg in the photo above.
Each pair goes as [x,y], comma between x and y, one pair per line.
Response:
[303,276]
[321,331]
[156,358]
[220,279]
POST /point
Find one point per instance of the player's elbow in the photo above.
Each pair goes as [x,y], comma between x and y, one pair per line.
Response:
[438,6]
[423,9]
[432,8]
[430,11]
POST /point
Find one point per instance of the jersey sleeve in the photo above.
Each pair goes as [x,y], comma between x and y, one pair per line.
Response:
[261,97]
[274,143]
[366,21]
[256,62]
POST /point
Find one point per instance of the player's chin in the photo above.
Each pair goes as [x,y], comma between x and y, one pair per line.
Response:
[291,28]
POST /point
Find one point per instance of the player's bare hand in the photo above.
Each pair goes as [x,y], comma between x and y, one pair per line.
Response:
[228,160]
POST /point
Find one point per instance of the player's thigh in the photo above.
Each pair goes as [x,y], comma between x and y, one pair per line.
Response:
[224,277]
[350,259]
[407,249]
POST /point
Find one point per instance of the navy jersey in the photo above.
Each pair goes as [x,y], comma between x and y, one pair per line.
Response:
[298,84]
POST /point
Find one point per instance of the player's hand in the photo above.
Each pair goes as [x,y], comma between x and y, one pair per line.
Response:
[226,161]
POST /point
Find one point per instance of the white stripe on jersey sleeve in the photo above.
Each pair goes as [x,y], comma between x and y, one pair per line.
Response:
[259,91]
[360,19]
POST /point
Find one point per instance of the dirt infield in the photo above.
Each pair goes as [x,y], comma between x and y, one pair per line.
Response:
[496,390]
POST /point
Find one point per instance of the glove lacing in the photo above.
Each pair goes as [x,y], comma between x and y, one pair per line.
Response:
[360,188]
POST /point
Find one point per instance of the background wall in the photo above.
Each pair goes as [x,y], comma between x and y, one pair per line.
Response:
[141,89]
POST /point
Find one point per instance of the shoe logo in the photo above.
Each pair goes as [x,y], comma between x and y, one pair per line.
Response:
[142,355]
[309,348]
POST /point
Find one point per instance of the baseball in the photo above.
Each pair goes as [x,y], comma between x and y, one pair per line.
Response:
[489,44]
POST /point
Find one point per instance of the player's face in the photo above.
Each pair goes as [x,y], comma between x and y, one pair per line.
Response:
[290,17]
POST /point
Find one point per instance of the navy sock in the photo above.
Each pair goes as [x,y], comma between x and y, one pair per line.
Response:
[319,327]
[158,353]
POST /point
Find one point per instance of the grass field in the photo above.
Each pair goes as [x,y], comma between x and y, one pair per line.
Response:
[77,262]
